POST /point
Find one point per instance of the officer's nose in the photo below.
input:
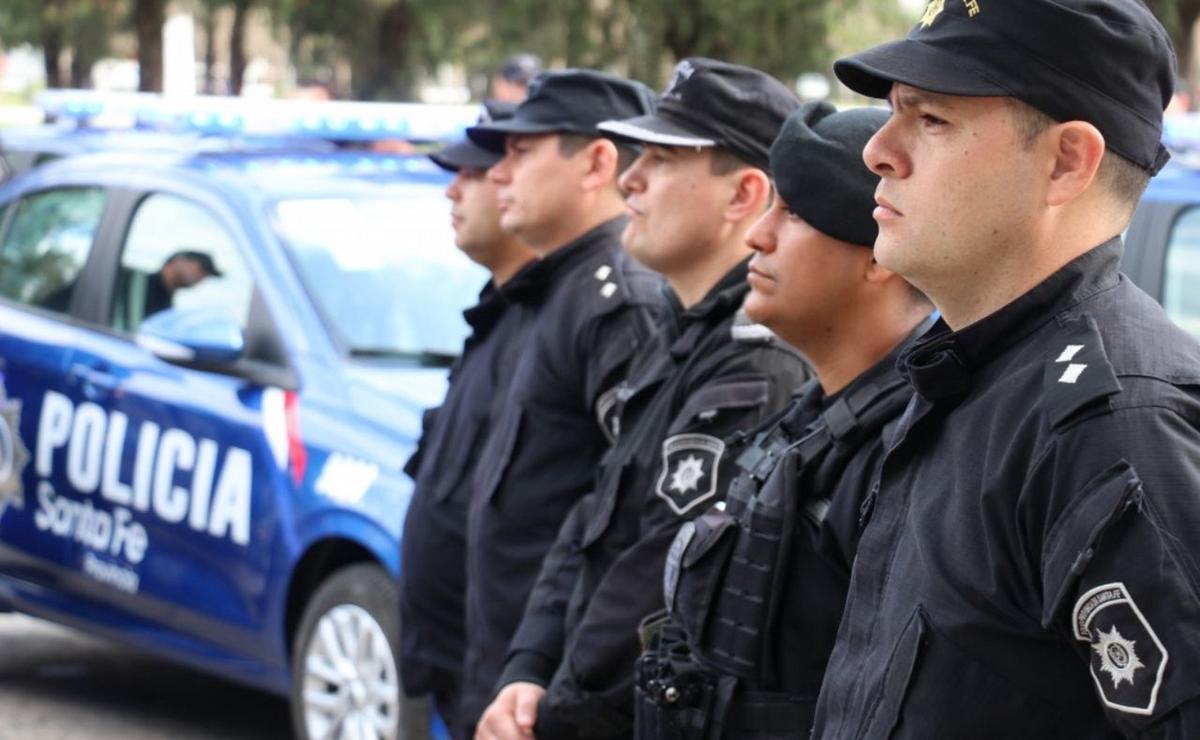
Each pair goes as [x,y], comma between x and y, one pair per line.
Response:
[761,236]
[501,172]
[454,189]
[883,154]
[633,179]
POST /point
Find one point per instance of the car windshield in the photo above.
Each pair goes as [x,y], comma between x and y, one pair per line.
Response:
[383,269]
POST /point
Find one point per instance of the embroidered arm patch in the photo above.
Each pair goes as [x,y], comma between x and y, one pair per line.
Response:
[689,470]
[1127,658]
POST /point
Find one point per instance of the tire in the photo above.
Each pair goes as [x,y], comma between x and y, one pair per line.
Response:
[345,663]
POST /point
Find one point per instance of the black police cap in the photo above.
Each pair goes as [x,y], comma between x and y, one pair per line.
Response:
[569,101]
[466,154]
[204,259]
[713,103]
[1107,62]
[817,162]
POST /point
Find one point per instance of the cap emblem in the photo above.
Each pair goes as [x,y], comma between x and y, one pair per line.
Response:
[932,10]
[683,72]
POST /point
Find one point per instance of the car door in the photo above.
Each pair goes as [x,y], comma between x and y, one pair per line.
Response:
[1162,255]
[185,461]
[46,253]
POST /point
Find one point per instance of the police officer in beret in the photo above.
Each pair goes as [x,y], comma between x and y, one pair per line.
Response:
[754,587]
[433,579]
[691,196]
[589,308]
[1030,568]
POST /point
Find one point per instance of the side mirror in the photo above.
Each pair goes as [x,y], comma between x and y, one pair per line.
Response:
[207,336]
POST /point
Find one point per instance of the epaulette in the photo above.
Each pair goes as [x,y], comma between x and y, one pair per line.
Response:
[1077,372]
[746,331]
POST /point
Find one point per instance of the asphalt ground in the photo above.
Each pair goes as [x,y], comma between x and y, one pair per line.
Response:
[60,684]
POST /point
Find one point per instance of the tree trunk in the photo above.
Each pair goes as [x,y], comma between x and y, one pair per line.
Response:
[390,74]
[210,49]
[237,46]
[51,50]
[1189,11]
[148,19]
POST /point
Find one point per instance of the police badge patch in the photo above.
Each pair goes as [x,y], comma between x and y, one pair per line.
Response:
[1127,658]
[13,453]
[689,470]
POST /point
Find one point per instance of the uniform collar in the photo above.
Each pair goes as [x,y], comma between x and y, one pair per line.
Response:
[940,364]
[493,299]
[722,300]
[812,400]
[546,270]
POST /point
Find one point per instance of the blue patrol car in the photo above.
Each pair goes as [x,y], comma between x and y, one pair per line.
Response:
[1162,244]
[206,462]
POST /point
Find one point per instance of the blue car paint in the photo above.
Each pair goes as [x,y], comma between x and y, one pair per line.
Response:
[204,597]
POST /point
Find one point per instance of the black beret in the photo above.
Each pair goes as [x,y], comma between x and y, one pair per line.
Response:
[817,161]
[568,101]
[1107,62]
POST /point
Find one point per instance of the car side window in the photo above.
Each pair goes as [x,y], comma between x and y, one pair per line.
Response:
[1181,273]
[47,244]
[178,255]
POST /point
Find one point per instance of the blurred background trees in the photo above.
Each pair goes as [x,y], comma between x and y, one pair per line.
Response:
[384,49]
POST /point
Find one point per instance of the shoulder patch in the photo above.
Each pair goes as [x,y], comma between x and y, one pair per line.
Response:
[1077,369]
[608,412]
[1127,658]
[689,470]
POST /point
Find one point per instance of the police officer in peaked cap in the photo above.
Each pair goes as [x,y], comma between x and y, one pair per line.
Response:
[1030,566]
[754,587]
[433,579]
[588,309]
[707,371]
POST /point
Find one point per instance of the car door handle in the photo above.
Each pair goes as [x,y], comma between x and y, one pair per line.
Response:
[95,382]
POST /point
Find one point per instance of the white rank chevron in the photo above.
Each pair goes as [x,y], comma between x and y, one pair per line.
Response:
[1074,369]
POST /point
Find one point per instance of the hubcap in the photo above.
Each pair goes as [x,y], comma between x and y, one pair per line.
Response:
[351,685]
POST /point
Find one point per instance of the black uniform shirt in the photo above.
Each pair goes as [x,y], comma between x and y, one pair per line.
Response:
[433,548]
[1030,566]
[593,309]
[704,376]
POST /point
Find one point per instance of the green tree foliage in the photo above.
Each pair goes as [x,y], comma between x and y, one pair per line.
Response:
[82,27]
[1179,18]
[641,38]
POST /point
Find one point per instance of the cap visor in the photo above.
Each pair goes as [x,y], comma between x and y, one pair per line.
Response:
[491,136]
[913,63]
[464,155]
[653,130]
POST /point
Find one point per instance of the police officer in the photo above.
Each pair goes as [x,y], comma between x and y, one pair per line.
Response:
[692,194]
[433,579]
[1029,569]
[589,309]
[755,586]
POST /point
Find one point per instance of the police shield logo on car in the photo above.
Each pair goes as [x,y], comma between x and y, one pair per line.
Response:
[689,470]
[1128,660]
[13,453]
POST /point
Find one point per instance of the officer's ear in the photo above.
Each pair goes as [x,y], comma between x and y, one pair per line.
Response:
[600,164]
[1077,148]
[750,194]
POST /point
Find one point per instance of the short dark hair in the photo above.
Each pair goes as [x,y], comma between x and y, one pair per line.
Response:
[521,68]
[1121,177]
[725,161]
[204,259]
[571,144]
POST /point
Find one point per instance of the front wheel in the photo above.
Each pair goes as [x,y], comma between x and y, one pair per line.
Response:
[345,675]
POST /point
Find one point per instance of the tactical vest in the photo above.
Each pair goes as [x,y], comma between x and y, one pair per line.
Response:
[708,657]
